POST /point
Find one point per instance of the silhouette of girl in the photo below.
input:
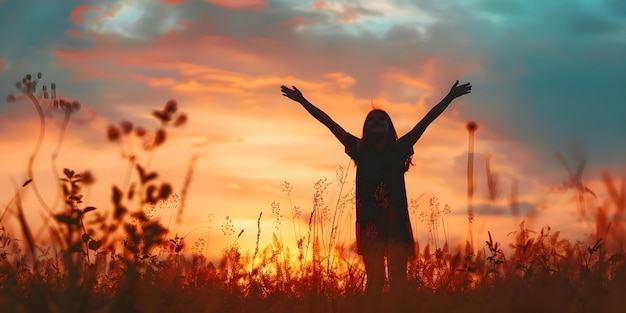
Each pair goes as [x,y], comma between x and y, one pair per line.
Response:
[383,228]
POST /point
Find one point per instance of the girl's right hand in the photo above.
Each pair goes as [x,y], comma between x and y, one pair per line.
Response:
[293,94]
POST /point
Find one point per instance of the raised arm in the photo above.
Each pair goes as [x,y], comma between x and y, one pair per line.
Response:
[295,95]
[455,92]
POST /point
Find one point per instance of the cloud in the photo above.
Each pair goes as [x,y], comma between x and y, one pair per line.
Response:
[133,20]
[440,43]
[240,4]
[550,67]
[3,62]
[388,64]
[615,7]
[77,13]
[346,14]
[270,53]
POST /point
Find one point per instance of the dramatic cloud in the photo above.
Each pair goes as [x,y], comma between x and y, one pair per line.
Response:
[77,13]
[3,63]
[239,4]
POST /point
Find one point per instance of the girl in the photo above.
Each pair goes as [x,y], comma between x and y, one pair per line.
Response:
[383,228]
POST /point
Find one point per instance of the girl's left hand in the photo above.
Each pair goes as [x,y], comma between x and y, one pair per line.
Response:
[459,90]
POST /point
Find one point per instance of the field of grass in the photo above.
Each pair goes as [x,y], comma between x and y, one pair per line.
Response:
[86,268]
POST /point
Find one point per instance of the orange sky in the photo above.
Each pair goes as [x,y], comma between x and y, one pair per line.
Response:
[121,61]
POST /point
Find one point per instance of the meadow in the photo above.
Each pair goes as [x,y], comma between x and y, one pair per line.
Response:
[119,257]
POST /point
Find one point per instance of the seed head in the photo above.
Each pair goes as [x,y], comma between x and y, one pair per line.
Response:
[113,134]
[472,126]
[180,120]
[171,106]
[87,178]
[126,126]
[75,106]
[159,137]
[140,131]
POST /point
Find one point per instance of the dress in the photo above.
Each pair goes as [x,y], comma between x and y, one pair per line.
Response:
[381,201]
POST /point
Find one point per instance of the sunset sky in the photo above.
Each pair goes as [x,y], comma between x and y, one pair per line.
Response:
[547,76]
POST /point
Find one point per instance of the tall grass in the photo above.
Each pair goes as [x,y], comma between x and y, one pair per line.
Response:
[127,260]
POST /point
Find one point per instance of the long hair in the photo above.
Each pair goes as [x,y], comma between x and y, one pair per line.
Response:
[390,140]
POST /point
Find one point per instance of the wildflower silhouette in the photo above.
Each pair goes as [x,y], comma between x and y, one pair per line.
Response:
[383,227]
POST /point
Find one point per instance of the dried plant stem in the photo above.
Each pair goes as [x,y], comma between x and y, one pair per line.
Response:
[344,174]
[25,229]
[31,159]
[514,198]
[258,237]
[17,192]
[57,150]
[308,242]
[470,185]
[185,188]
